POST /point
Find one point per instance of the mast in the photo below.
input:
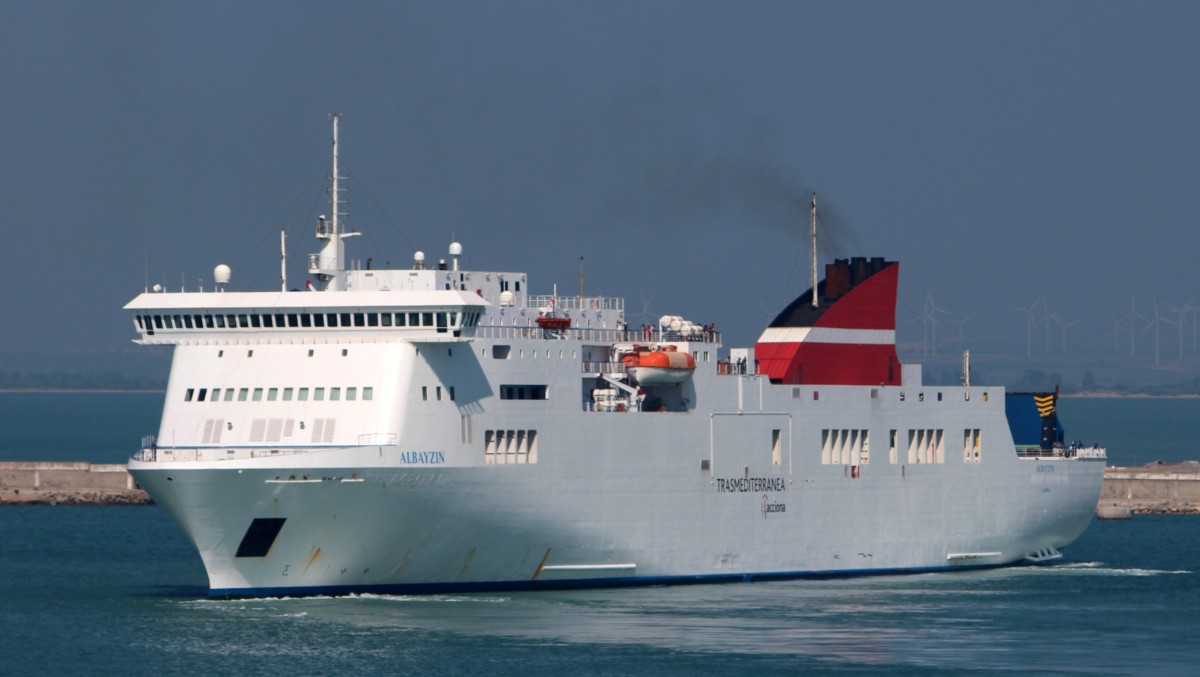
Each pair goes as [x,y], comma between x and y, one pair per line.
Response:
[813,230]
[333,190]
[283,258]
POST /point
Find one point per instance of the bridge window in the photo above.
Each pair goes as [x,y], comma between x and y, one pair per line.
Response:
[258,392]
[523,392]
[187,396]
[369,393]
[351,393]
[335,394]
[318,394]
[303,395]
[242,393]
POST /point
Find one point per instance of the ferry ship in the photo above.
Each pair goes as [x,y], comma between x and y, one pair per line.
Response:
[437,429]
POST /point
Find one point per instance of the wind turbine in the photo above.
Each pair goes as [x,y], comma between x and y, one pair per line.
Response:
[930,320]
[1133,316]
[1183,312]
[1031,322]
[1062,323]
[1115,333]
[959,322]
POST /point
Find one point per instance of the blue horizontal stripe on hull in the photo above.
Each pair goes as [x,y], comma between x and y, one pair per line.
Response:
[533,586]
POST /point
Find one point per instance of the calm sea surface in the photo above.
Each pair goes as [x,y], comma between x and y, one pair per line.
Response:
[118,590]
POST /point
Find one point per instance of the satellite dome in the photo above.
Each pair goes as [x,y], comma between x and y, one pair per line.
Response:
[222,274]
[455,249]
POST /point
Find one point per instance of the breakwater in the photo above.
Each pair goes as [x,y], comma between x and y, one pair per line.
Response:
[1154,488]
[68,484]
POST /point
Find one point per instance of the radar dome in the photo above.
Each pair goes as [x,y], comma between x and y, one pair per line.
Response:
[507,298]
[455,249]
[222,274]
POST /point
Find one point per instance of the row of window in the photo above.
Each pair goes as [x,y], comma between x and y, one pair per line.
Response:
[285,394]
[816,394]
[270,429]
[510,446]
[441,320]
[925,445]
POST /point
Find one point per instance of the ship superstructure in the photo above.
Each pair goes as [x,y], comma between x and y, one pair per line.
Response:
[436,428]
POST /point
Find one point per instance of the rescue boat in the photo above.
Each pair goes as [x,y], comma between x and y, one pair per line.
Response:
[664,366]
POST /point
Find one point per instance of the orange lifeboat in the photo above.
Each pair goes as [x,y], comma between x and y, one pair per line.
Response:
[659,367]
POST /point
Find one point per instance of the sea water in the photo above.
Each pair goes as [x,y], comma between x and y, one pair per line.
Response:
[118,590]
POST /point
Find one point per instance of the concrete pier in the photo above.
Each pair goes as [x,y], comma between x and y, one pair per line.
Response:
[1155,488]
[68,484]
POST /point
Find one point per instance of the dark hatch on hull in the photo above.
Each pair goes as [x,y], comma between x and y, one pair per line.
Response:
[260,536]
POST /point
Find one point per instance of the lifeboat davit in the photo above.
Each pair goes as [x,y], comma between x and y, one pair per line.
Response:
[659,367]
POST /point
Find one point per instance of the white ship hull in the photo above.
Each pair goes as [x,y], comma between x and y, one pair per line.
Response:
[624,498]
[425,430]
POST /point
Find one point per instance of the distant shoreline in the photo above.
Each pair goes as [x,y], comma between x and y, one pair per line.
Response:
[76,390]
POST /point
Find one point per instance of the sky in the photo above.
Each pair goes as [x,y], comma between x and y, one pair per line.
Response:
[1002,152]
